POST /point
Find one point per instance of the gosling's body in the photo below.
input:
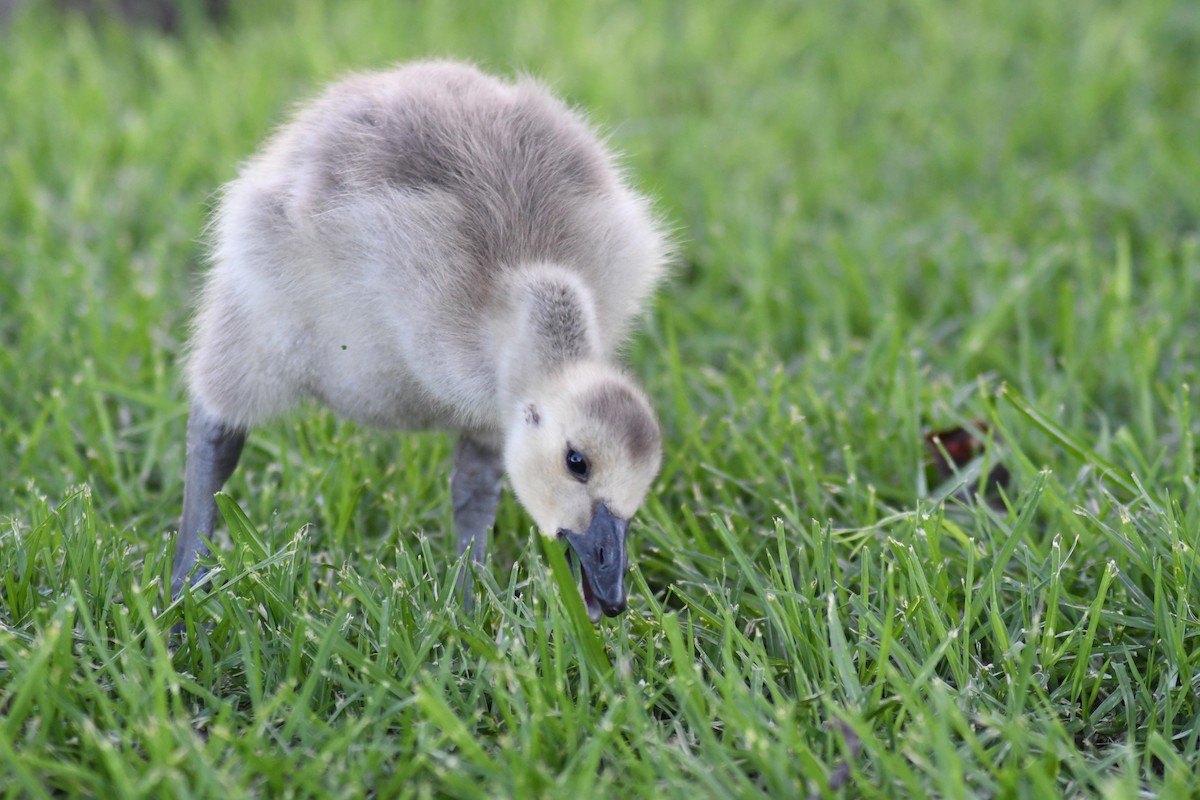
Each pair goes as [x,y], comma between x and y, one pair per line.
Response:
[431,247]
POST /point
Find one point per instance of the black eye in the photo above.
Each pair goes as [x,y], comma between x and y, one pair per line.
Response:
[577,464]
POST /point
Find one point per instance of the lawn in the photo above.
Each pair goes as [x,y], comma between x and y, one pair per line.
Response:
[979,220]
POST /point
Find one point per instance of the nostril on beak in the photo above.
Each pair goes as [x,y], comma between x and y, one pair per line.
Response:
[600,556]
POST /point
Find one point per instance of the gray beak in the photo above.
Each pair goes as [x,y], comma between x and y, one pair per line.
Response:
[602,561]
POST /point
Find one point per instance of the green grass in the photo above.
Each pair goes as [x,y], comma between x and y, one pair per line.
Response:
[895,218]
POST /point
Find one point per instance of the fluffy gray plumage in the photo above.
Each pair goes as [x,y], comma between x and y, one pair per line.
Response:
[432,247]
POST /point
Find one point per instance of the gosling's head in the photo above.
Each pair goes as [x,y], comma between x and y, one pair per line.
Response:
[581,453]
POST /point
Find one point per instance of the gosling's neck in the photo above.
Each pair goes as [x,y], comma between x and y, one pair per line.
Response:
[553,327]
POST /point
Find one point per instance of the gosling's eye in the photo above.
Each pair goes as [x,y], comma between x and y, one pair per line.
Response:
[577,464]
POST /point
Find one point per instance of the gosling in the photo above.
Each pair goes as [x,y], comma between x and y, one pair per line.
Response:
[431,247]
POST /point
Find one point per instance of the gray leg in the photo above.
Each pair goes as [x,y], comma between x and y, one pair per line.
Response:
[213,449]
[475,492]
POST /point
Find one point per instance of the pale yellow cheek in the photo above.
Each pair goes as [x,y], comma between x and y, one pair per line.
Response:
[556,503]
[535,489]
[541,508]
[627,494]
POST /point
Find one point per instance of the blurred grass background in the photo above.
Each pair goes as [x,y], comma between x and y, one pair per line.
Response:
[895,219]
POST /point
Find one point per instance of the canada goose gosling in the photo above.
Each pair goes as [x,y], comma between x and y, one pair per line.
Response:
[431,247]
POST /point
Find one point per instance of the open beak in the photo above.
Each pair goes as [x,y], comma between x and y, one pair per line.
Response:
[602,563]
